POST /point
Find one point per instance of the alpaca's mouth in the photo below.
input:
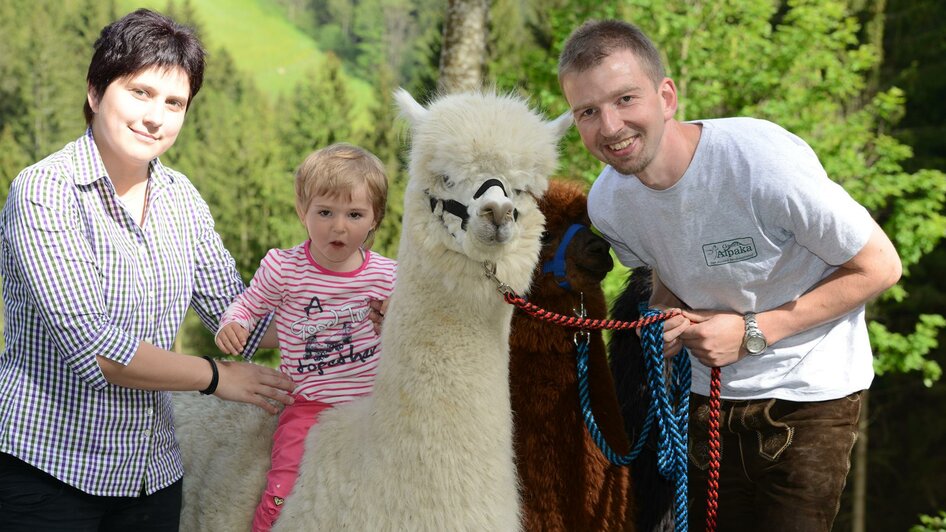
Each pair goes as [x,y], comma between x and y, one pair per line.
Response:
[493,234]
[595,256]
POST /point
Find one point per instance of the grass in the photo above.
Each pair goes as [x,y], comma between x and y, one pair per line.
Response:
[263,43]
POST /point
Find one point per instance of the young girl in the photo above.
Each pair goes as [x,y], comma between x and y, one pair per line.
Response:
[320,292]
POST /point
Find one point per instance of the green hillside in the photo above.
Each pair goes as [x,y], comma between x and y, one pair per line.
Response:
[262,42]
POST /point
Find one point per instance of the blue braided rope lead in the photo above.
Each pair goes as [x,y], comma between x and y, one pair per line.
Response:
[669,407]
[672,418]
[584,401]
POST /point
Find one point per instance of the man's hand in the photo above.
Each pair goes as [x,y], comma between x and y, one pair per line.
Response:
[714,337]
[232,338]
[665,300]
[673,328]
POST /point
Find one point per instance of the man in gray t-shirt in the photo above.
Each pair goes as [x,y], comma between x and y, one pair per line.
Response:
[771,262]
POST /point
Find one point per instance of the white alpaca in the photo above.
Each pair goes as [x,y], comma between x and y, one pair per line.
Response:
[431,448]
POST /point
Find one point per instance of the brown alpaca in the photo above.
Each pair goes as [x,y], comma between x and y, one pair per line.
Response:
[566,483]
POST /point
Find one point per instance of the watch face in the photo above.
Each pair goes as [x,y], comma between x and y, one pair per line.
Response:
[755,345]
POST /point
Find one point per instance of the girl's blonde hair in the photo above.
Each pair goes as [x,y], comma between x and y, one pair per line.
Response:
[335,171]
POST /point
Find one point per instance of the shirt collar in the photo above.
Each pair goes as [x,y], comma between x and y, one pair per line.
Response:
[90,168]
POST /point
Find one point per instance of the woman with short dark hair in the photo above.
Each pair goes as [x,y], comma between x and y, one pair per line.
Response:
[103,251]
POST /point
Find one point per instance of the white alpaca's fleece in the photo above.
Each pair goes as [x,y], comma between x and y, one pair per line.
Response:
[431,448]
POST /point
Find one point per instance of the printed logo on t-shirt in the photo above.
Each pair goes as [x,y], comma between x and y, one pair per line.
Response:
[328,336]
[728,251]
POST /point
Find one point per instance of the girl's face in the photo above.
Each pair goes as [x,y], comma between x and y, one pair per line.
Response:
[337,227]
[138,118]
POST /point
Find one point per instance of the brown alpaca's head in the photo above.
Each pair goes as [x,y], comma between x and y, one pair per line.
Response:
[587,259]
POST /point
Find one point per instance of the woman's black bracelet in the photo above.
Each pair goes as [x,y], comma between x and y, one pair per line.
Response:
[213,379]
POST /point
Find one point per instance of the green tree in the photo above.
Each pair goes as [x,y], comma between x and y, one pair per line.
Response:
[12,160]
[931,523]
[913,60]
[42,74]
[386,141]
[317,114]
[229,149]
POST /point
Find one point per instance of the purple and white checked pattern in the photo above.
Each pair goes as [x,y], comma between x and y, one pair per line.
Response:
[80,279]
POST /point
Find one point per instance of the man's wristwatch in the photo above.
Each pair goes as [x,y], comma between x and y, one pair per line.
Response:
[754,341]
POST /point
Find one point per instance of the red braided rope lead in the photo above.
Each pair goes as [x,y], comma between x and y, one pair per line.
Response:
[583,323]
[712,492]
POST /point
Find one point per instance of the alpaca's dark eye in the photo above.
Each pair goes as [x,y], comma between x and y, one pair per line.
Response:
[447,182]
[546,238]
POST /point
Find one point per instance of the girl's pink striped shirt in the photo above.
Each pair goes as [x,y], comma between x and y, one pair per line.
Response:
[327,343]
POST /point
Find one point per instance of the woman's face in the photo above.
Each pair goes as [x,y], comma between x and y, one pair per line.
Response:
[138,118]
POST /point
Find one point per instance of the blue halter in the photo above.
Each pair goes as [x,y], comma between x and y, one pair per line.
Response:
[556,266]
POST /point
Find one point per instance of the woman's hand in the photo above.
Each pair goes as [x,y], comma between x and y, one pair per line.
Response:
[376,314]
[153,368]
[254,384]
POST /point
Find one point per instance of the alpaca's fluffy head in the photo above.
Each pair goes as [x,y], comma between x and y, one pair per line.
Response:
[478,161]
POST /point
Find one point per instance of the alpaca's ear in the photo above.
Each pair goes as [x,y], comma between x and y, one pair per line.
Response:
[410,109]
[560,125]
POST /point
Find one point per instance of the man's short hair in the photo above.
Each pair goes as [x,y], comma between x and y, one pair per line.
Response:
[139,41]
[595,40]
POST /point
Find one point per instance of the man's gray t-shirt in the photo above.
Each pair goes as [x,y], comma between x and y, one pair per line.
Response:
[753,223]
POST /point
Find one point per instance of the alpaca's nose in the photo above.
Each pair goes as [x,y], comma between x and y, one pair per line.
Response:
[498,211]
[495,204]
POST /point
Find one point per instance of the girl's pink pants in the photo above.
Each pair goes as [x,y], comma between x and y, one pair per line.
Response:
[288,444]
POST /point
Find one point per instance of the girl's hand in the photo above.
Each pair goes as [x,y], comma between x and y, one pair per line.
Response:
[232,338]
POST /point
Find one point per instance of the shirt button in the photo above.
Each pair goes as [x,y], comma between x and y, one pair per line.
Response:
[151,294]
[147,433]
[150,411]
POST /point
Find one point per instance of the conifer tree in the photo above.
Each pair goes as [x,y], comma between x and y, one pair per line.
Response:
[317,113]
[43,75]
[385,140]
[228,149]
[12,160]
